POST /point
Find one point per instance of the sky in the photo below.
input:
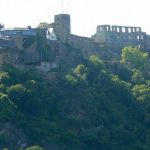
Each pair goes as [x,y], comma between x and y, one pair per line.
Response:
[85,14]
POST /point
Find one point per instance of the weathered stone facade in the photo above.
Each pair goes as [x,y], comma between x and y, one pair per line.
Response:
[87,45]
[62,29]
[7,42]
[147,42]
[62,26]
[120,36]
[51,45]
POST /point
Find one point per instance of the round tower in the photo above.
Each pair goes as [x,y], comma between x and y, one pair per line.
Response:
[62,26]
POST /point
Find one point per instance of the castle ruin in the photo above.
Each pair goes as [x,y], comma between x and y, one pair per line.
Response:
[56,37]
[118,36]
[122,36]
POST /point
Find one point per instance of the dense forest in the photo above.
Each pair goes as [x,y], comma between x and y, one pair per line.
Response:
[89,107]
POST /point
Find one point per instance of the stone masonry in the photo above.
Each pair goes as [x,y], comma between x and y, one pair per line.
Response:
[116,36]
[65,46]
[120,36]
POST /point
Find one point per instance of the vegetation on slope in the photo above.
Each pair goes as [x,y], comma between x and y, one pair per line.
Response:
[88,108]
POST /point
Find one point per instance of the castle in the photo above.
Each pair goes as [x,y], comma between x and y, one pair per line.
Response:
[122,36]
[48,46]
[119,36]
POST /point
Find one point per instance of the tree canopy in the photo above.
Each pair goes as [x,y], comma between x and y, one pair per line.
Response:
[87,108]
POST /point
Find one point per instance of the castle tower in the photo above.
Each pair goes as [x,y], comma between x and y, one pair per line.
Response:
[62,26]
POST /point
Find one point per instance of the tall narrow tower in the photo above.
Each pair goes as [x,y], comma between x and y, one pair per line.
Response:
[62,26]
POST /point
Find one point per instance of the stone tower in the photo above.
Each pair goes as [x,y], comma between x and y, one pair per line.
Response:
[62,27]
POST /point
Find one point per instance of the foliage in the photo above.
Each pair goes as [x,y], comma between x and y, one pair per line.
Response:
[77,76]
[86,108]
[137,77]
[142,92]
[43,25]
[7,108]
[97,63]
[35,148]
[134,57]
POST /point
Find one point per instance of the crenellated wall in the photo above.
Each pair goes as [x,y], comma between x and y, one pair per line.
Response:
[120,36]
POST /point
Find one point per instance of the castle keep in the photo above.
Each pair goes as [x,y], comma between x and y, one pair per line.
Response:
[62,26]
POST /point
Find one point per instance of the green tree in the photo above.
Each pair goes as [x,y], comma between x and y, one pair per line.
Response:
[97,62]
[35,148]
[142,92]
[134,58]
[137,77]
[77,75]
[80,71]
[43,25]
[6,107]
[18,94]
[3,76]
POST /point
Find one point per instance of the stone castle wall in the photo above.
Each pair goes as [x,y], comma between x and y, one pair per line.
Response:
[120,36]
[62,29]
[68,48]
[87,45]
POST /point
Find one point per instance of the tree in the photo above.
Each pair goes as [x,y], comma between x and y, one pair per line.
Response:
[97,62]
[134,58]
[17,94]
[44,25]
[80,71]
[77,76]
[35,148]
[142,92]
[137,77]
[3,76]
[7,107]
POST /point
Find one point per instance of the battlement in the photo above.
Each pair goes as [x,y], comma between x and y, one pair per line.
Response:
[122,29]
[120,35]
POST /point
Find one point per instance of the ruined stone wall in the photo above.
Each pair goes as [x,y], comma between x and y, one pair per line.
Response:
[120,36]
[63,53]
[147,42]
[18,40]
[87,45]
[57,49]
[47,66]
[10,56]
[31,55]
[7,43]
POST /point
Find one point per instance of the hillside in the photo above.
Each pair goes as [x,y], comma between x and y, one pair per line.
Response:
[90,107]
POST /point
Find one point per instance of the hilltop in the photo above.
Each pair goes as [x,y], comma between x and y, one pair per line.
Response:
[60,91]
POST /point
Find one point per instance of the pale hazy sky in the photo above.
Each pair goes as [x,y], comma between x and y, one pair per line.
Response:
[85,14]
